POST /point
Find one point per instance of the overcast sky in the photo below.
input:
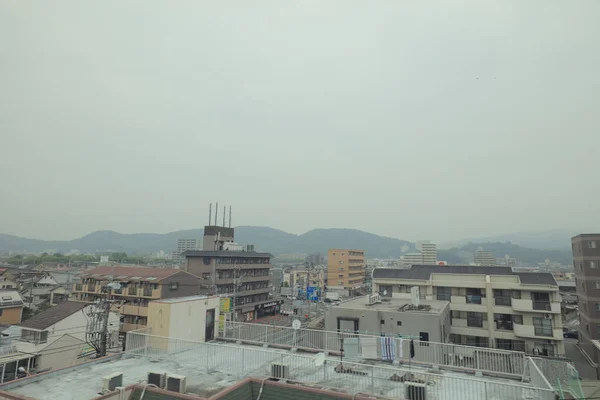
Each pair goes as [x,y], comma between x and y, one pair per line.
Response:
[417,120]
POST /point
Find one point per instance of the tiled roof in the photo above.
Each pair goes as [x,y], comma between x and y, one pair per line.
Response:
[423,272]
[51,316]
[132,272]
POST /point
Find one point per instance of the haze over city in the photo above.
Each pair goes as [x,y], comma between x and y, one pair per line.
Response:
[468,119]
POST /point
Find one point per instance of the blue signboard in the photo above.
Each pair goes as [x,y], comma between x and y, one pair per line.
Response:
[312,293]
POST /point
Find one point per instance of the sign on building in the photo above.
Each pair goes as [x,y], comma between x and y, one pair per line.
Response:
[225,305]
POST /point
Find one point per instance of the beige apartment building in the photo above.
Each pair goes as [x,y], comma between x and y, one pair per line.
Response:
[138,286]
[345,269]
[490,306]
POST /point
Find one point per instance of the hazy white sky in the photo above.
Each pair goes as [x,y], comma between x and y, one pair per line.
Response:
[411,119]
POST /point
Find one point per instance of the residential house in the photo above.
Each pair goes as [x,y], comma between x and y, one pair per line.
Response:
[51,340]
[11,307]
[7,279]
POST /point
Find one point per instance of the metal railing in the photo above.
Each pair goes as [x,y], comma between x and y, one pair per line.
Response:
[351,377]
[505,363]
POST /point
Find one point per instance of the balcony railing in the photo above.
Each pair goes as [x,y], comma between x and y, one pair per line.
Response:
[147,292]
[542,305]
[473,299]
[132,290]
[503,301]
[504,325]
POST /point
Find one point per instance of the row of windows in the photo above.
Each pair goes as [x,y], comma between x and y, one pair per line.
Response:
[242,260]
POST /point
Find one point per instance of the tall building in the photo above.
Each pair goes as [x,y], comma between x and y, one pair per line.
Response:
[429,253]
[345,269]
[490,306]
[412,259]
[236,272]
[586,260]
[184,245]
[485,258]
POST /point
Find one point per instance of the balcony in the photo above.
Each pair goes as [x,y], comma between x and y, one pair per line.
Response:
[460,326]
[133,309]
[504,325]
[502,301]
[530,306]
[460,303]
[251,291]
[529,331]
[243,266]
[229,281]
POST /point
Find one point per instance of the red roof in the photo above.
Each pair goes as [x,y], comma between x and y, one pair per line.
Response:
[131,272]
[2,270]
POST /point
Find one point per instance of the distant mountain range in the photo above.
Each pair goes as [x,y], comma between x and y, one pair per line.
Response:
[551,239]
[528,248]
[265,239]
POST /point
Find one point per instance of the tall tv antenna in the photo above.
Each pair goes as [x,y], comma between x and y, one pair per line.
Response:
[209,213]
[216,213]
[224,207]
[230,216]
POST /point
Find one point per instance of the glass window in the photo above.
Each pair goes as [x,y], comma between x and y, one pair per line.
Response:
[591,244]
[597,285]
[593,264]
[542,326]
[444,293]
[597,306]
[475,319]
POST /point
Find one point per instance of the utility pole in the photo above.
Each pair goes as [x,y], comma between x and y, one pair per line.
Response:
[105,312]
[236,278]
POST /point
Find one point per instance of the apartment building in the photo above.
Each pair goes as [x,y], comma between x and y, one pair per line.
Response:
[490,306]
[428,252]
[184,245]
[485,258]
[234,271]
[345,269]
[139,286]
[586,260]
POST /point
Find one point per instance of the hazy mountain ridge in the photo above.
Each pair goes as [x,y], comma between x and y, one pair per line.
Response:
[551,239]
[277,241]
[264,238]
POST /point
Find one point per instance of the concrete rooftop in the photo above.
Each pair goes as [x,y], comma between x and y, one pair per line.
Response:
[211,367]
[395,304]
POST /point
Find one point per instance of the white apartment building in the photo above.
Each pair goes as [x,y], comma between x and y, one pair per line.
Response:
[184,245]
[429,253]
[485,258]
[490,306]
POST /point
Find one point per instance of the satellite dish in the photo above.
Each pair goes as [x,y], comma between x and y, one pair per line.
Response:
[296,324]
[320,359]
[385,292]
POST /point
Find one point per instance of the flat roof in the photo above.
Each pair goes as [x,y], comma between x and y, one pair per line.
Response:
[183,299]
[423,272]
[225,253]
[211,367]
[395,304]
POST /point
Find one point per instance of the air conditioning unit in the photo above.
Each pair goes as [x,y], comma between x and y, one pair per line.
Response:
[175,383]
[548,316]
[280,371]
[112,381]
[415,391]
[157,378]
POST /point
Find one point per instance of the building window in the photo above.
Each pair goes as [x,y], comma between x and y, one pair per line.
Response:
[399,323]
[342,254]
[36,337]
[341,262]
[593,264]
[174,286]
[475,319]
[444,293]
[424,338]
[591,244]
[542,326]
[516,294]
[597,284]
[502,297]
[597,306]
[474,296]
[382,322]
[581,266]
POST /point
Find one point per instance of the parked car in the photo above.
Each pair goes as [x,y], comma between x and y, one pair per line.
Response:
[571,334]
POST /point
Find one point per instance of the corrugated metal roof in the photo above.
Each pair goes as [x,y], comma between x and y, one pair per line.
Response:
[423,272]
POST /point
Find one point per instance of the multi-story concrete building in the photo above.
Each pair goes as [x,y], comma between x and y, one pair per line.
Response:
[239,273]
[430,320]
[586,260]
[490,306]
[412,259]
[139,286]
[485,258]
[428,252]
[345,269]
[184,245]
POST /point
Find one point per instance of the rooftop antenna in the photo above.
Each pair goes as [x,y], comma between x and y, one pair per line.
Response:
[230,216]
[209,213]
[224,207]
[216,213]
